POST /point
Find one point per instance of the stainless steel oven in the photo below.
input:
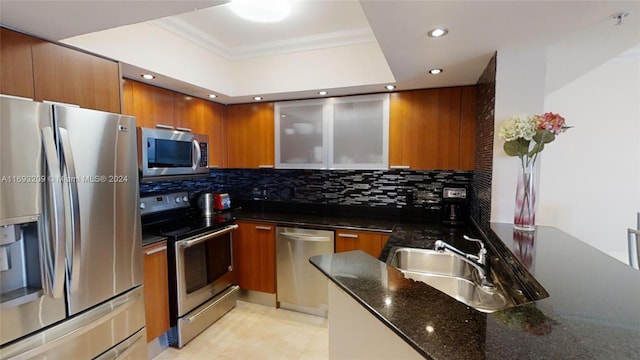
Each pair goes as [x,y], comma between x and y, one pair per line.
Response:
[204,267]
[202,278]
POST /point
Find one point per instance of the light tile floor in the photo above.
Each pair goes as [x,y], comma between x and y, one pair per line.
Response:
[251,331]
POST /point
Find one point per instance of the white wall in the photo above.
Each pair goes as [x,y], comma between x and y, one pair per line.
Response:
[520,84]
[590,176]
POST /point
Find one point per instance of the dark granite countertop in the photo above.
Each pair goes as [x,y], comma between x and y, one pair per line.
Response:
[592,311]
[316,221]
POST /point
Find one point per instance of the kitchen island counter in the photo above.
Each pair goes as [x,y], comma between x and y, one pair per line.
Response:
[591,312]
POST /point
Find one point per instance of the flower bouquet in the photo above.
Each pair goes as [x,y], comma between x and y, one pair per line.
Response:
[525,137]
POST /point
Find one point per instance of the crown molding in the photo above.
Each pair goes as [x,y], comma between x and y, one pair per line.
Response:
[305,43]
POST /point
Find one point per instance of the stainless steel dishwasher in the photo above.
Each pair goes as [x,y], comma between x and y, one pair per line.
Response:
[300,286]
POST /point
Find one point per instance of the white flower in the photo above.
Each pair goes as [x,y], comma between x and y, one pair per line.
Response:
[518,126]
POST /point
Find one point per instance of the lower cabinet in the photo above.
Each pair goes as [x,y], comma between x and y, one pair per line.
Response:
[370,242]
[156,289]
[256,256]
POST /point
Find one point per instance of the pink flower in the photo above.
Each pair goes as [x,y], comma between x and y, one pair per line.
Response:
[552,122]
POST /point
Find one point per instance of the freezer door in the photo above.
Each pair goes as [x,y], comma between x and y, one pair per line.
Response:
[112,329]
[104,249]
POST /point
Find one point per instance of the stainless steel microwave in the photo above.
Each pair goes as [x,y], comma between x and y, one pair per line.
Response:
[169,152]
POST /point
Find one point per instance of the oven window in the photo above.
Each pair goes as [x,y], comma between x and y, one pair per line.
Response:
[206,262]
[169,153]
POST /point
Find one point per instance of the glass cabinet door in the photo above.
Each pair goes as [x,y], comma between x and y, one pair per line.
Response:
[350,132]
[360,132]
[300,140]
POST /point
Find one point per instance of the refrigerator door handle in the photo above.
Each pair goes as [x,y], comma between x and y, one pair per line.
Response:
[55,262]
[72,183]
[196,146]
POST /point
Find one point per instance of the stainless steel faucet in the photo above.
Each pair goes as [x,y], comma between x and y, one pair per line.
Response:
[479,262]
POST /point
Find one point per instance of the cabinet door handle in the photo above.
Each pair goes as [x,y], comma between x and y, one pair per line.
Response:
[351,236]
[163,126]
[157,250]
[183,129]
[265,166]
[400,167]
[258,227]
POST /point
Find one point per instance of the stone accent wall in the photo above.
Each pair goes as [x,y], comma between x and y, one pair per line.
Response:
[481,184]
[372,188]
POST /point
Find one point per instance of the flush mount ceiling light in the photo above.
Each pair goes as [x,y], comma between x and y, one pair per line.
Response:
[213,96]
[438,32]
[263,11]
[148,76]
[390,87]
[435,71]
[257,98]
[323,93]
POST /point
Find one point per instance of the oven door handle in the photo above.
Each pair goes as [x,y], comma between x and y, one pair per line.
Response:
[201,239]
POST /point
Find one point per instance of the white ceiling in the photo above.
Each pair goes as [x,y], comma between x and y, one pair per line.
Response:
[345,47]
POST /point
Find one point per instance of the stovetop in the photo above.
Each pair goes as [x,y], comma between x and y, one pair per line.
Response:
[172,215]
[184,224]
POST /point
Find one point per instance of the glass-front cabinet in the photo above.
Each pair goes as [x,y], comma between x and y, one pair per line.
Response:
[300,135]
[350,132]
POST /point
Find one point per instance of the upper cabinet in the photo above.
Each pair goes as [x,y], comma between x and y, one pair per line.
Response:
[250,135]
[16,64]
[41,70]
[65,75]
[337,133]
[157,107]
[432,129]
[214,126]
[152,106]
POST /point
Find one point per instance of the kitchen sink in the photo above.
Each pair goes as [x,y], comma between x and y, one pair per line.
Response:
[450,274]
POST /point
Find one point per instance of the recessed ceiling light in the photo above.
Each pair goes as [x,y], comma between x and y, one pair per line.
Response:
[213,96]
[148,76]
[438,32]
[390,87]
[435,71]
[322,93]
[257,98]
[260,10]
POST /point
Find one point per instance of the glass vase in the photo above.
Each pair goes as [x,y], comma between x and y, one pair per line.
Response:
[525,210]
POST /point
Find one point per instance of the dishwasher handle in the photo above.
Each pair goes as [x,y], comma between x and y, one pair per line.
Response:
[303,237]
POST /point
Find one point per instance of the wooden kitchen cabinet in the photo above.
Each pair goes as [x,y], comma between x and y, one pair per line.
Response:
[432,129]
[250,135]
[65,75]
[256,256]
[188,113]
[370,242]
[16,64]
[156,289]
[152,105]
[214,127]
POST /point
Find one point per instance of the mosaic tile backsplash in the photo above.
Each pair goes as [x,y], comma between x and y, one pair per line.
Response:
[373,188]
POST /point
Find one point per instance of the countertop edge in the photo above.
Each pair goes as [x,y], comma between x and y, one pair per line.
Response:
[364,304]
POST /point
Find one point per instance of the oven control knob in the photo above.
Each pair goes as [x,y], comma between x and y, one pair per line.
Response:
[185,198]
[178,200]
[143,205]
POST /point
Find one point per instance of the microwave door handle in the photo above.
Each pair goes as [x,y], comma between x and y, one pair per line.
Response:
[69,165]
[196,146]
[54,262]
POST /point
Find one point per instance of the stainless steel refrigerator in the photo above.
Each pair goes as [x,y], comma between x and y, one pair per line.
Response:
[70,238]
